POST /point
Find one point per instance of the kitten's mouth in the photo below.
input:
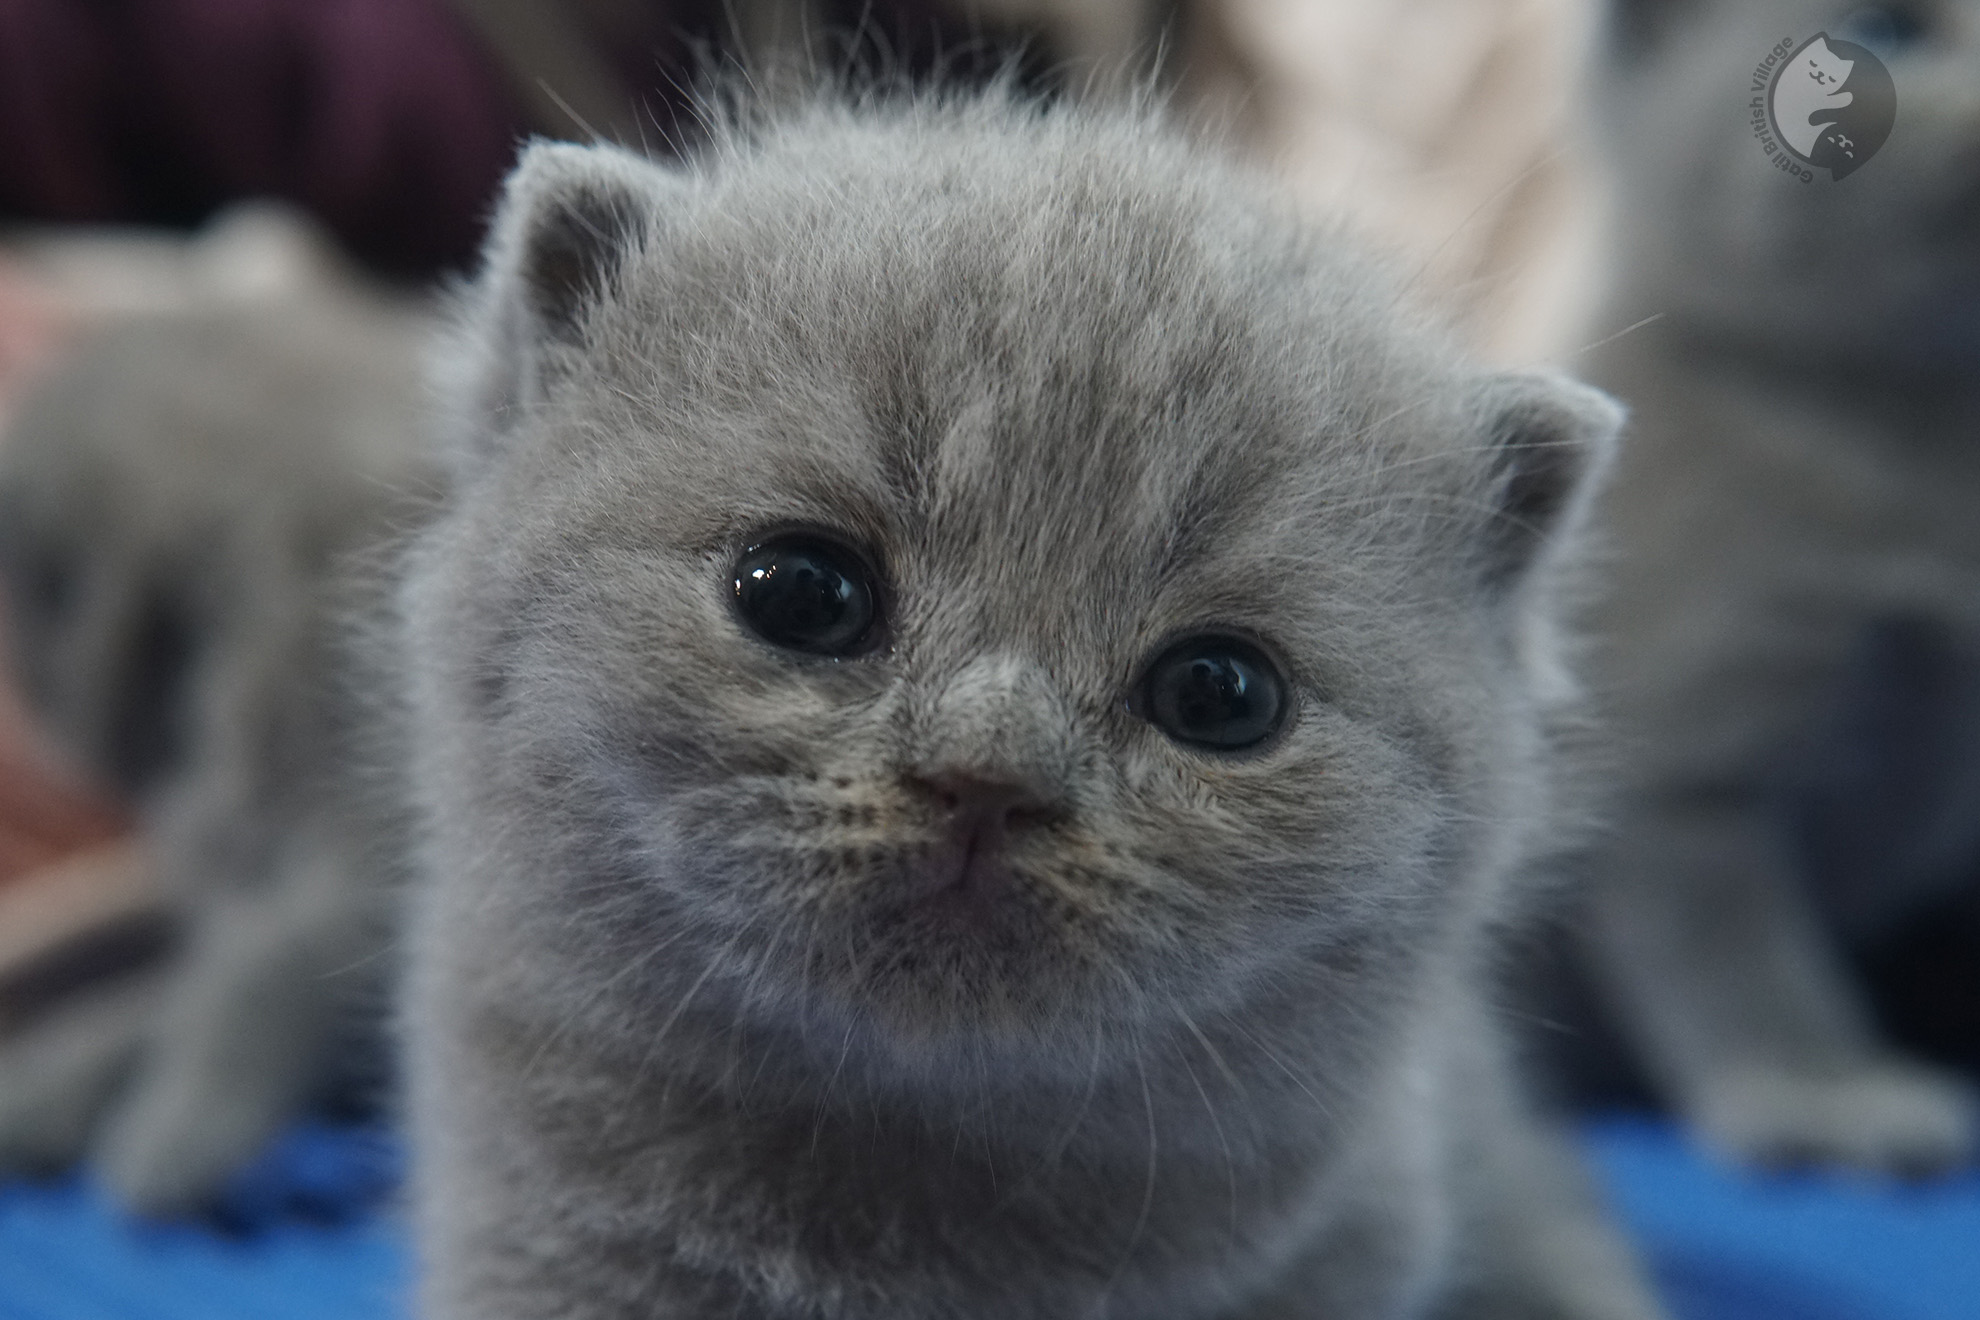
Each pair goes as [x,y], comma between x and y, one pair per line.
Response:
[966,875]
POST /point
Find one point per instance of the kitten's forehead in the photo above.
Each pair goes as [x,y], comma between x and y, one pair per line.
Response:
[1066,369]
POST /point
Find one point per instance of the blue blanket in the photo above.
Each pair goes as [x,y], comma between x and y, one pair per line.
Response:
[310,1234]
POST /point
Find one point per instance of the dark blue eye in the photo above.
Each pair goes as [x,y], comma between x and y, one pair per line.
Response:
[805,593]
[1214,692]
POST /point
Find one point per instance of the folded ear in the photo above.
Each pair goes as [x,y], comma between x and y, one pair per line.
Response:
[1548,439]
[570,222]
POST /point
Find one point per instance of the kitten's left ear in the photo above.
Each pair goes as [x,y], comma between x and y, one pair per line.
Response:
[1548,439]
[571,220]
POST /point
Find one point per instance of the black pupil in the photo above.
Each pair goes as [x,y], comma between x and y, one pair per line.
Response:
[805,595]
[1216,692]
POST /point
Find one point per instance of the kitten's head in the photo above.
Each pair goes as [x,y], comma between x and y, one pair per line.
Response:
[962,577]
[1881,263]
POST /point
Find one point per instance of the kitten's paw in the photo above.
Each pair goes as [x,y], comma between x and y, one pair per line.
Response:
[57,1077]
[1890,1116]
[172,1142]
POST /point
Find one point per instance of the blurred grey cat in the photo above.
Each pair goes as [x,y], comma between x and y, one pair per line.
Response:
[1790,647]
[975,701]
[178,507]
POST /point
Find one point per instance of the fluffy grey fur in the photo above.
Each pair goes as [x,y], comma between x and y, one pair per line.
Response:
[1790,640]
[681,1040]
[177,509]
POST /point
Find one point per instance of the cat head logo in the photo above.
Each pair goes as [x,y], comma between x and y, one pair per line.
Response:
[1829,104]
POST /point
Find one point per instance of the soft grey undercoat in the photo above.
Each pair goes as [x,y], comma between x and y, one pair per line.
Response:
[679,1040]
[1786,650]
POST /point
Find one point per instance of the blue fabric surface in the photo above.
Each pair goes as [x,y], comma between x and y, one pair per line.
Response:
[310,1234]
[306,1234]
[1728,1246]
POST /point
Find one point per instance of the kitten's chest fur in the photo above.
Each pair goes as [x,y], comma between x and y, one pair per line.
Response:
[1172,1193]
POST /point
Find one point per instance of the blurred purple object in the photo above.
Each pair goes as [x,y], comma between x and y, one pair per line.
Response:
[384,117]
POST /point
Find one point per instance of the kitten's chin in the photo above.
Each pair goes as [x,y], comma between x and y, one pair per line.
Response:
[971,966]
[927,1035]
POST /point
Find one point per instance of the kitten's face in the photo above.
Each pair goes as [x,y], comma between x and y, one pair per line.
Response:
[1884,262]
[1139,654]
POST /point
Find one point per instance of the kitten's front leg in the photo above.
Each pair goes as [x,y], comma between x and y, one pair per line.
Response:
[1533,1242]
[511,1231]
[59,1074]
[1539,1245]
[247,1030]
[1714,956]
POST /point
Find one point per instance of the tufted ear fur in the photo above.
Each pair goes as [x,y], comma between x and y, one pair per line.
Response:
[1549,438]
[570,219]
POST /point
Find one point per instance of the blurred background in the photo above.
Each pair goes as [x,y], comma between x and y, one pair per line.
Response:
[219,215]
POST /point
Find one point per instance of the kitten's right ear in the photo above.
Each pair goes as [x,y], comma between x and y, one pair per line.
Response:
[570,221]
[1548,439]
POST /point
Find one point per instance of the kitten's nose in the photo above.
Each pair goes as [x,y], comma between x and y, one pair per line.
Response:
[992,742]
[966,870]
[976,802]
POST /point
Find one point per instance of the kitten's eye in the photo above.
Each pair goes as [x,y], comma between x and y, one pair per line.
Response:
[807,594]
[1215,692]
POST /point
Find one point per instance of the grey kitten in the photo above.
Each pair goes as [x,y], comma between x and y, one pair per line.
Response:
[1789,646]
[179,507]
[974,701]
